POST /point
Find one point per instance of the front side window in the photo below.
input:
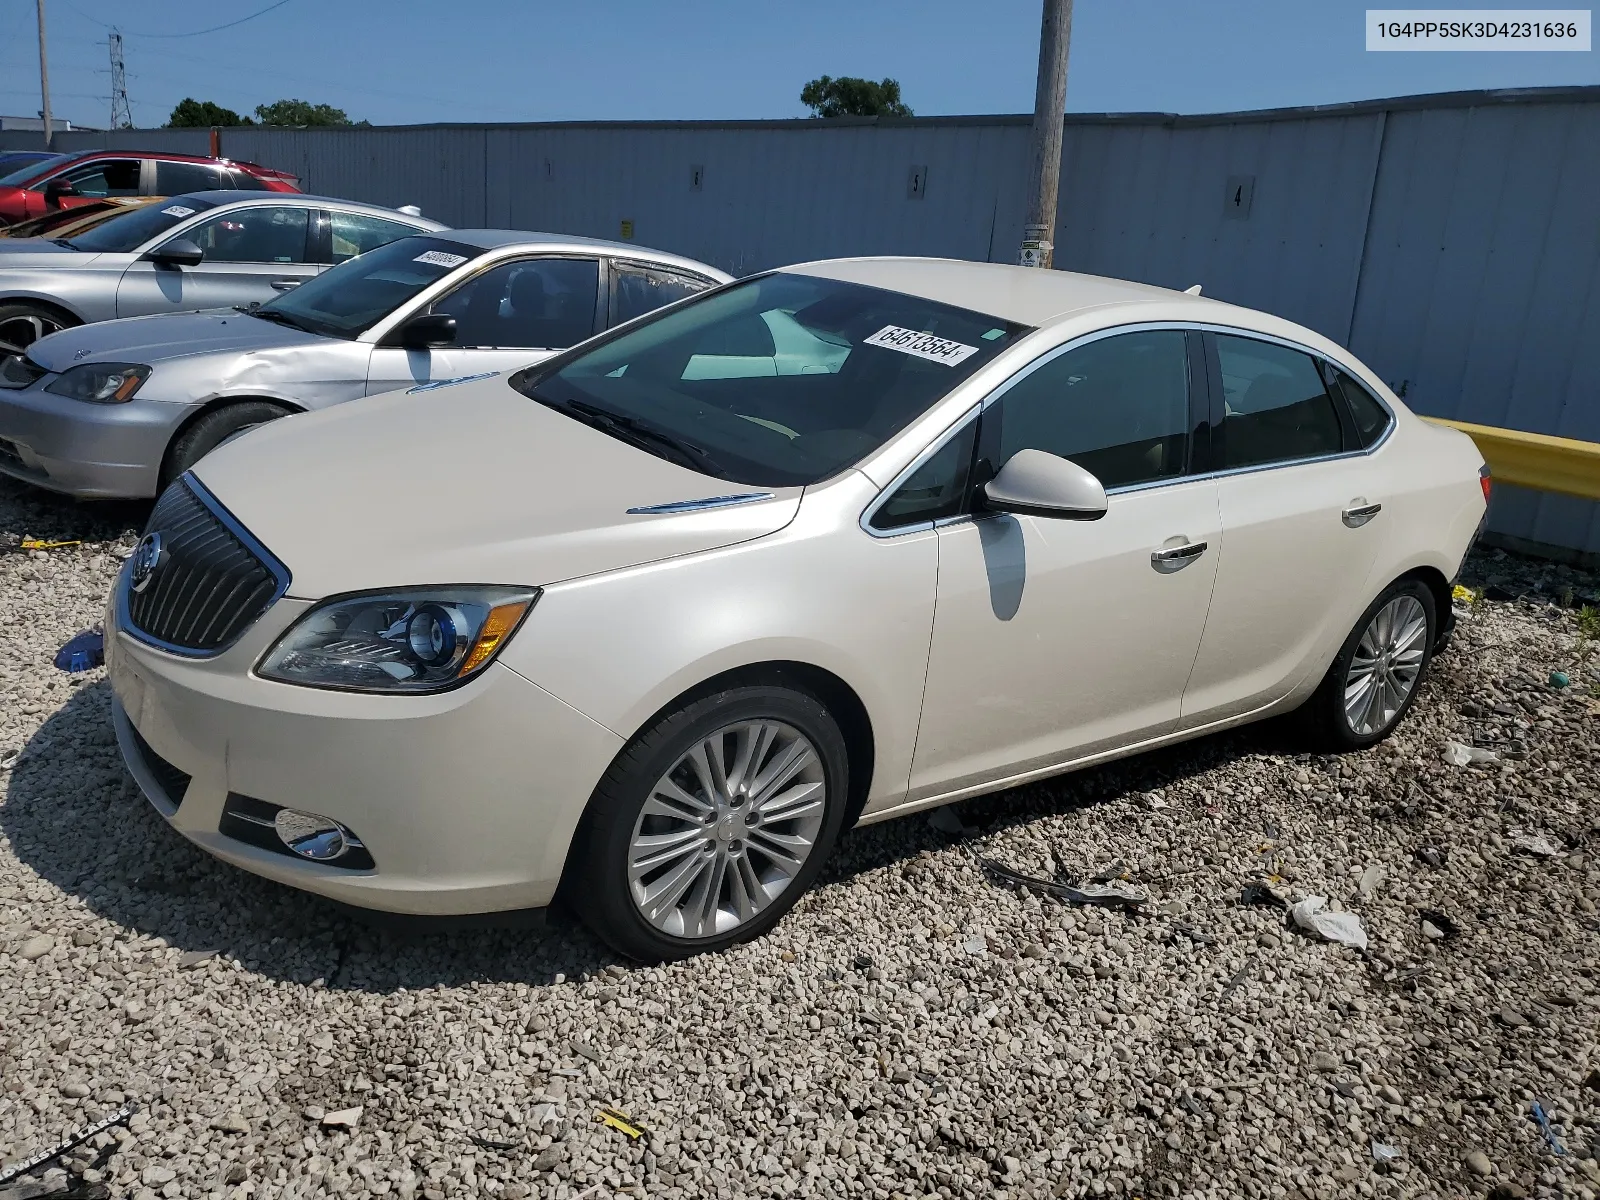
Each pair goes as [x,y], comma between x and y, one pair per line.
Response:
[936,489]
[254,235]
[356,233]
[176,178]
[879,360]
[530,304]
[1371,417]
[346,300]
[1117,406]
[125,233]
[638,290]
[104,177]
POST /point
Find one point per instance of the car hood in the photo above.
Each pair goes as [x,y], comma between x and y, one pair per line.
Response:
[473,483]
[152,339]
[29,254]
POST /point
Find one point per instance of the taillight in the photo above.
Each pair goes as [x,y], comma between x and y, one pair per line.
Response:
[1485,481]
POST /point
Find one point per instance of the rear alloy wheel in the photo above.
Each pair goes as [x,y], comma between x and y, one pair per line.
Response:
[711,824]
[21,325]
[1375,678]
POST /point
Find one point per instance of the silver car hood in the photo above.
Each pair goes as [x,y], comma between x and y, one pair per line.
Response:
[29,254]
[165,336]
[474,483]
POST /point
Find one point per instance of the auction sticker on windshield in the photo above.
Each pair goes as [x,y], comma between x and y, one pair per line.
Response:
[923,345]
[177,210]
[441,258]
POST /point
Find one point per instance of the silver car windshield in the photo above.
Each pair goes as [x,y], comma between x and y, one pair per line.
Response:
[347,300]
[126,233]
[777,381]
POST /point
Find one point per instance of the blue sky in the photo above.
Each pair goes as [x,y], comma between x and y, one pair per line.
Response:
[409,61]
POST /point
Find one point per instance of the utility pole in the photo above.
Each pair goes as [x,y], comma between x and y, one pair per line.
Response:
[121,114]
[1044,151]
[44,78]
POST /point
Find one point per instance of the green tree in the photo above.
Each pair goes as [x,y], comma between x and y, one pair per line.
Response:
[202,114]
[303,113]
[848,96]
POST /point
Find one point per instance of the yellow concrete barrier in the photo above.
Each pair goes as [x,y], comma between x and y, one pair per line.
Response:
[1536,460]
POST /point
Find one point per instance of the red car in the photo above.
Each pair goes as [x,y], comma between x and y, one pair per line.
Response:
[67,180]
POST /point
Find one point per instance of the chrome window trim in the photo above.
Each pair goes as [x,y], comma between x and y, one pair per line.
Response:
[279,572]
[1006,385]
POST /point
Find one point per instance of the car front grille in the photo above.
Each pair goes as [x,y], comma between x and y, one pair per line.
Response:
[198,579]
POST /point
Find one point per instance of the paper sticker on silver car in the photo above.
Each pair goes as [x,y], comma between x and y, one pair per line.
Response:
[441,258]
[922,345]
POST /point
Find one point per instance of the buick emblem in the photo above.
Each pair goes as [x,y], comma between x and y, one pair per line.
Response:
[146,558]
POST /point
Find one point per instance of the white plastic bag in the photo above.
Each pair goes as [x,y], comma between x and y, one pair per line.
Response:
[1345,928]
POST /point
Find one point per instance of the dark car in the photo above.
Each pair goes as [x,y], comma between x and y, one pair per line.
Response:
[67,180]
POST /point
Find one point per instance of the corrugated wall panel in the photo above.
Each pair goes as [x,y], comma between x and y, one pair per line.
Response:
[1480,293]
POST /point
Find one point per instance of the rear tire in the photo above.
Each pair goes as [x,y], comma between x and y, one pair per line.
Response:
[736,783]
[1379,670]
[22,324]
[211,430]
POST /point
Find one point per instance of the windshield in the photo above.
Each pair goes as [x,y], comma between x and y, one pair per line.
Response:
[137,226]
[25,173]
[782,380]
[350,298]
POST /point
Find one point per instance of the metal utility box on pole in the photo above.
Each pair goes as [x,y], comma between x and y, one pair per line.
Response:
[44,78]
[1044,151]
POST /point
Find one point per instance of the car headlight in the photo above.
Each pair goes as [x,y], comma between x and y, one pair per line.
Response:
[100,383]
[409,640]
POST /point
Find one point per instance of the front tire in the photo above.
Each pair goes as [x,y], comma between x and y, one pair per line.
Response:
[711,824]
[211,430]
[22,324]
[1379,670]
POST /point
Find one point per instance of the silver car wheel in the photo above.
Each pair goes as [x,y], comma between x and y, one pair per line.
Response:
[19,332]
[1384,668]
[727,829]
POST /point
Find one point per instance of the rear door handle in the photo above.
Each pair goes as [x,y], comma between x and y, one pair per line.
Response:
[1176,558]
[1358,515]
[284,285]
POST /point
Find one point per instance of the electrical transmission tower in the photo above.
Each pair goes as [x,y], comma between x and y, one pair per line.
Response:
[121,114]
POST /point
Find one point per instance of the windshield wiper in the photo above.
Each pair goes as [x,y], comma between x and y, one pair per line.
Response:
[646,437]
[271,314]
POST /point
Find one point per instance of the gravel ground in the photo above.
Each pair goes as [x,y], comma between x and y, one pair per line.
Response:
[911,1030]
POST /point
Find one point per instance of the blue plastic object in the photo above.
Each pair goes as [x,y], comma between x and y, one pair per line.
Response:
[85,650]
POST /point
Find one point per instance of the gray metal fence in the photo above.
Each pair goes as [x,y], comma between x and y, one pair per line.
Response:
[1452,241]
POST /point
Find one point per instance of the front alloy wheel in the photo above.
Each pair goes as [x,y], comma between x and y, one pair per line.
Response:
[711,823]
[21,325]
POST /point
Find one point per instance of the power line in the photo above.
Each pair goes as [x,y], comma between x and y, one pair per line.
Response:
[192,33]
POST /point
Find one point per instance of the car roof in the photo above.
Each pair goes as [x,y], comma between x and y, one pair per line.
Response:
[1024,294]
[222,196]
[496,239]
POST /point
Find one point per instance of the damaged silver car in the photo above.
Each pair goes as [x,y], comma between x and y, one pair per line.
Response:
[121,408]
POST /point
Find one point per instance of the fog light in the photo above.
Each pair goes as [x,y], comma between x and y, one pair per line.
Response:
[311,836]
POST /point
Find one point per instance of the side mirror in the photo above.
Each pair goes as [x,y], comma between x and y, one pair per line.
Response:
[179,252]
[55,189]
[428,329]
[1036,484]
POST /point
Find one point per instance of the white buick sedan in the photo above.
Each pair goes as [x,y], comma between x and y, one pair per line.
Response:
[653,621]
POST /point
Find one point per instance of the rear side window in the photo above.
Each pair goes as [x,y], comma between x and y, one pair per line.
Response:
[1276,408]
[1371,418]
[1118,407]
[356,233]
[244,181]
[176,178]
[636,290]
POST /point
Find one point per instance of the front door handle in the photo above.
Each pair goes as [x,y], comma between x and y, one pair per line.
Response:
[284,285]
[1359,513]
[1176,558]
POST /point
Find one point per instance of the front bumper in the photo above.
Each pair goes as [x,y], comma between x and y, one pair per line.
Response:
[467,800]
[87,450]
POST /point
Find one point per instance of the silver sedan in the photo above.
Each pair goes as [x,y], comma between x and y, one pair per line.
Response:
[122,408]
[201,250]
